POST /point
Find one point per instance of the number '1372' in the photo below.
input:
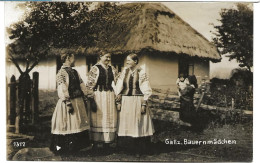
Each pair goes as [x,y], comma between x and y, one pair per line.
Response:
[19,144]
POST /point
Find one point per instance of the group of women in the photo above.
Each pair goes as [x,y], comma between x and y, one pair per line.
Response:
[108,106]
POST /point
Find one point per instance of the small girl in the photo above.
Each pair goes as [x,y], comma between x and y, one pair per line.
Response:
[181,82]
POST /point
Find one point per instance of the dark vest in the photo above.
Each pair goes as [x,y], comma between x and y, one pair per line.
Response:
[105,79]
[131,84]
[74,83]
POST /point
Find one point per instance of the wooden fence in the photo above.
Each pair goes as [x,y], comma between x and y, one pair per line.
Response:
[22,102]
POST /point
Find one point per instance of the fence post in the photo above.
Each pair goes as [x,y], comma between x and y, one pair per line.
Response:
[17,112]
[27,102]
[12,100]
[35,97]
[24,81]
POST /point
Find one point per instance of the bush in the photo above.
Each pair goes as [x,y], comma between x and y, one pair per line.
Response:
[238,87]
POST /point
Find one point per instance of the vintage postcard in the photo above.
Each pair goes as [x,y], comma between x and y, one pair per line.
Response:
[129,81]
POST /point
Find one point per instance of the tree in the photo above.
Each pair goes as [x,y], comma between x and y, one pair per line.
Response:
[57,25]
[50,25]
[234,37]
[46,25]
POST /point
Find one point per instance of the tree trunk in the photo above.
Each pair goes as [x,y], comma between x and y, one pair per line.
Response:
[35,97]
[23,96]
[12,100]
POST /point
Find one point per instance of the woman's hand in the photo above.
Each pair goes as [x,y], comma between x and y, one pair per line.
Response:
[143,109]
[118,98]
[69,107]
[93,105]
[118,106]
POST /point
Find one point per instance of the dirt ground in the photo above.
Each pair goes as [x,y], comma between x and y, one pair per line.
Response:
[158,150]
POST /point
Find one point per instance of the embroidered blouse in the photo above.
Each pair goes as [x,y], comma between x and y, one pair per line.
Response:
[101,78]
[134,83]
[63,83]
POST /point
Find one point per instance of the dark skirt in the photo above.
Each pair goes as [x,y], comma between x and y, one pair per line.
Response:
[187,112]
[70,143]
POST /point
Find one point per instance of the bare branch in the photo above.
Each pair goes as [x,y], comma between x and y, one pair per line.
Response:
[15,63]
[33,65]
[27,64]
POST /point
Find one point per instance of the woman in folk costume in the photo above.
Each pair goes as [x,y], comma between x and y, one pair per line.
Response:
[133,90]
[188,112]
[101,81]
[70,122]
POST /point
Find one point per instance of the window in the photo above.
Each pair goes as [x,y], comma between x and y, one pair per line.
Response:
[118,61]
[191,68]
[186,66]
[183,66]
[90,61]
[118,67]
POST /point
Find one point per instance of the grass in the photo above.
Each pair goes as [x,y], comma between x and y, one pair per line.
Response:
[47,102]
[157,150]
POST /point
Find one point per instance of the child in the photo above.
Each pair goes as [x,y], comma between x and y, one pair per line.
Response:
[181,82]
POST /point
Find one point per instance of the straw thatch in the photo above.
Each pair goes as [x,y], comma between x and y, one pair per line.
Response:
[155,27]
[147,27]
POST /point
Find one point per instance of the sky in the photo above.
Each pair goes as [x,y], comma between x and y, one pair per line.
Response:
[200,15]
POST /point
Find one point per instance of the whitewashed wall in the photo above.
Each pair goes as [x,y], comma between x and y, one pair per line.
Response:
[47,71]
[81,67]
[201,70]
[162,70]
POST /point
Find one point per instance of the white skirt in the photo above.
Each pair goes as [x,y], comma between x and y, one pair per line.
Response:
[104,120]
[131,121]
[65,123]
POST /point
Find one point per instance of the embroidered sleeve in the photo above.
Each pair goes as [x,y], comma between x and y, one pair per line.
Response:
[143,78]
[145,84]
[62,82]
[115,72]
[92,78]
[119,82]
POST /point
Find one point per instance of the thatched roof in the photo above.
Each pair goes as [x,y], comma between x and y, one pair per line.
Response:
[154,26]
[148,27]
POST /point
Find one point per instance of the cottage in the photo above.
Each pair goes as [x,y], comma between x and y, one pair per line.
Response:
[167,46]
